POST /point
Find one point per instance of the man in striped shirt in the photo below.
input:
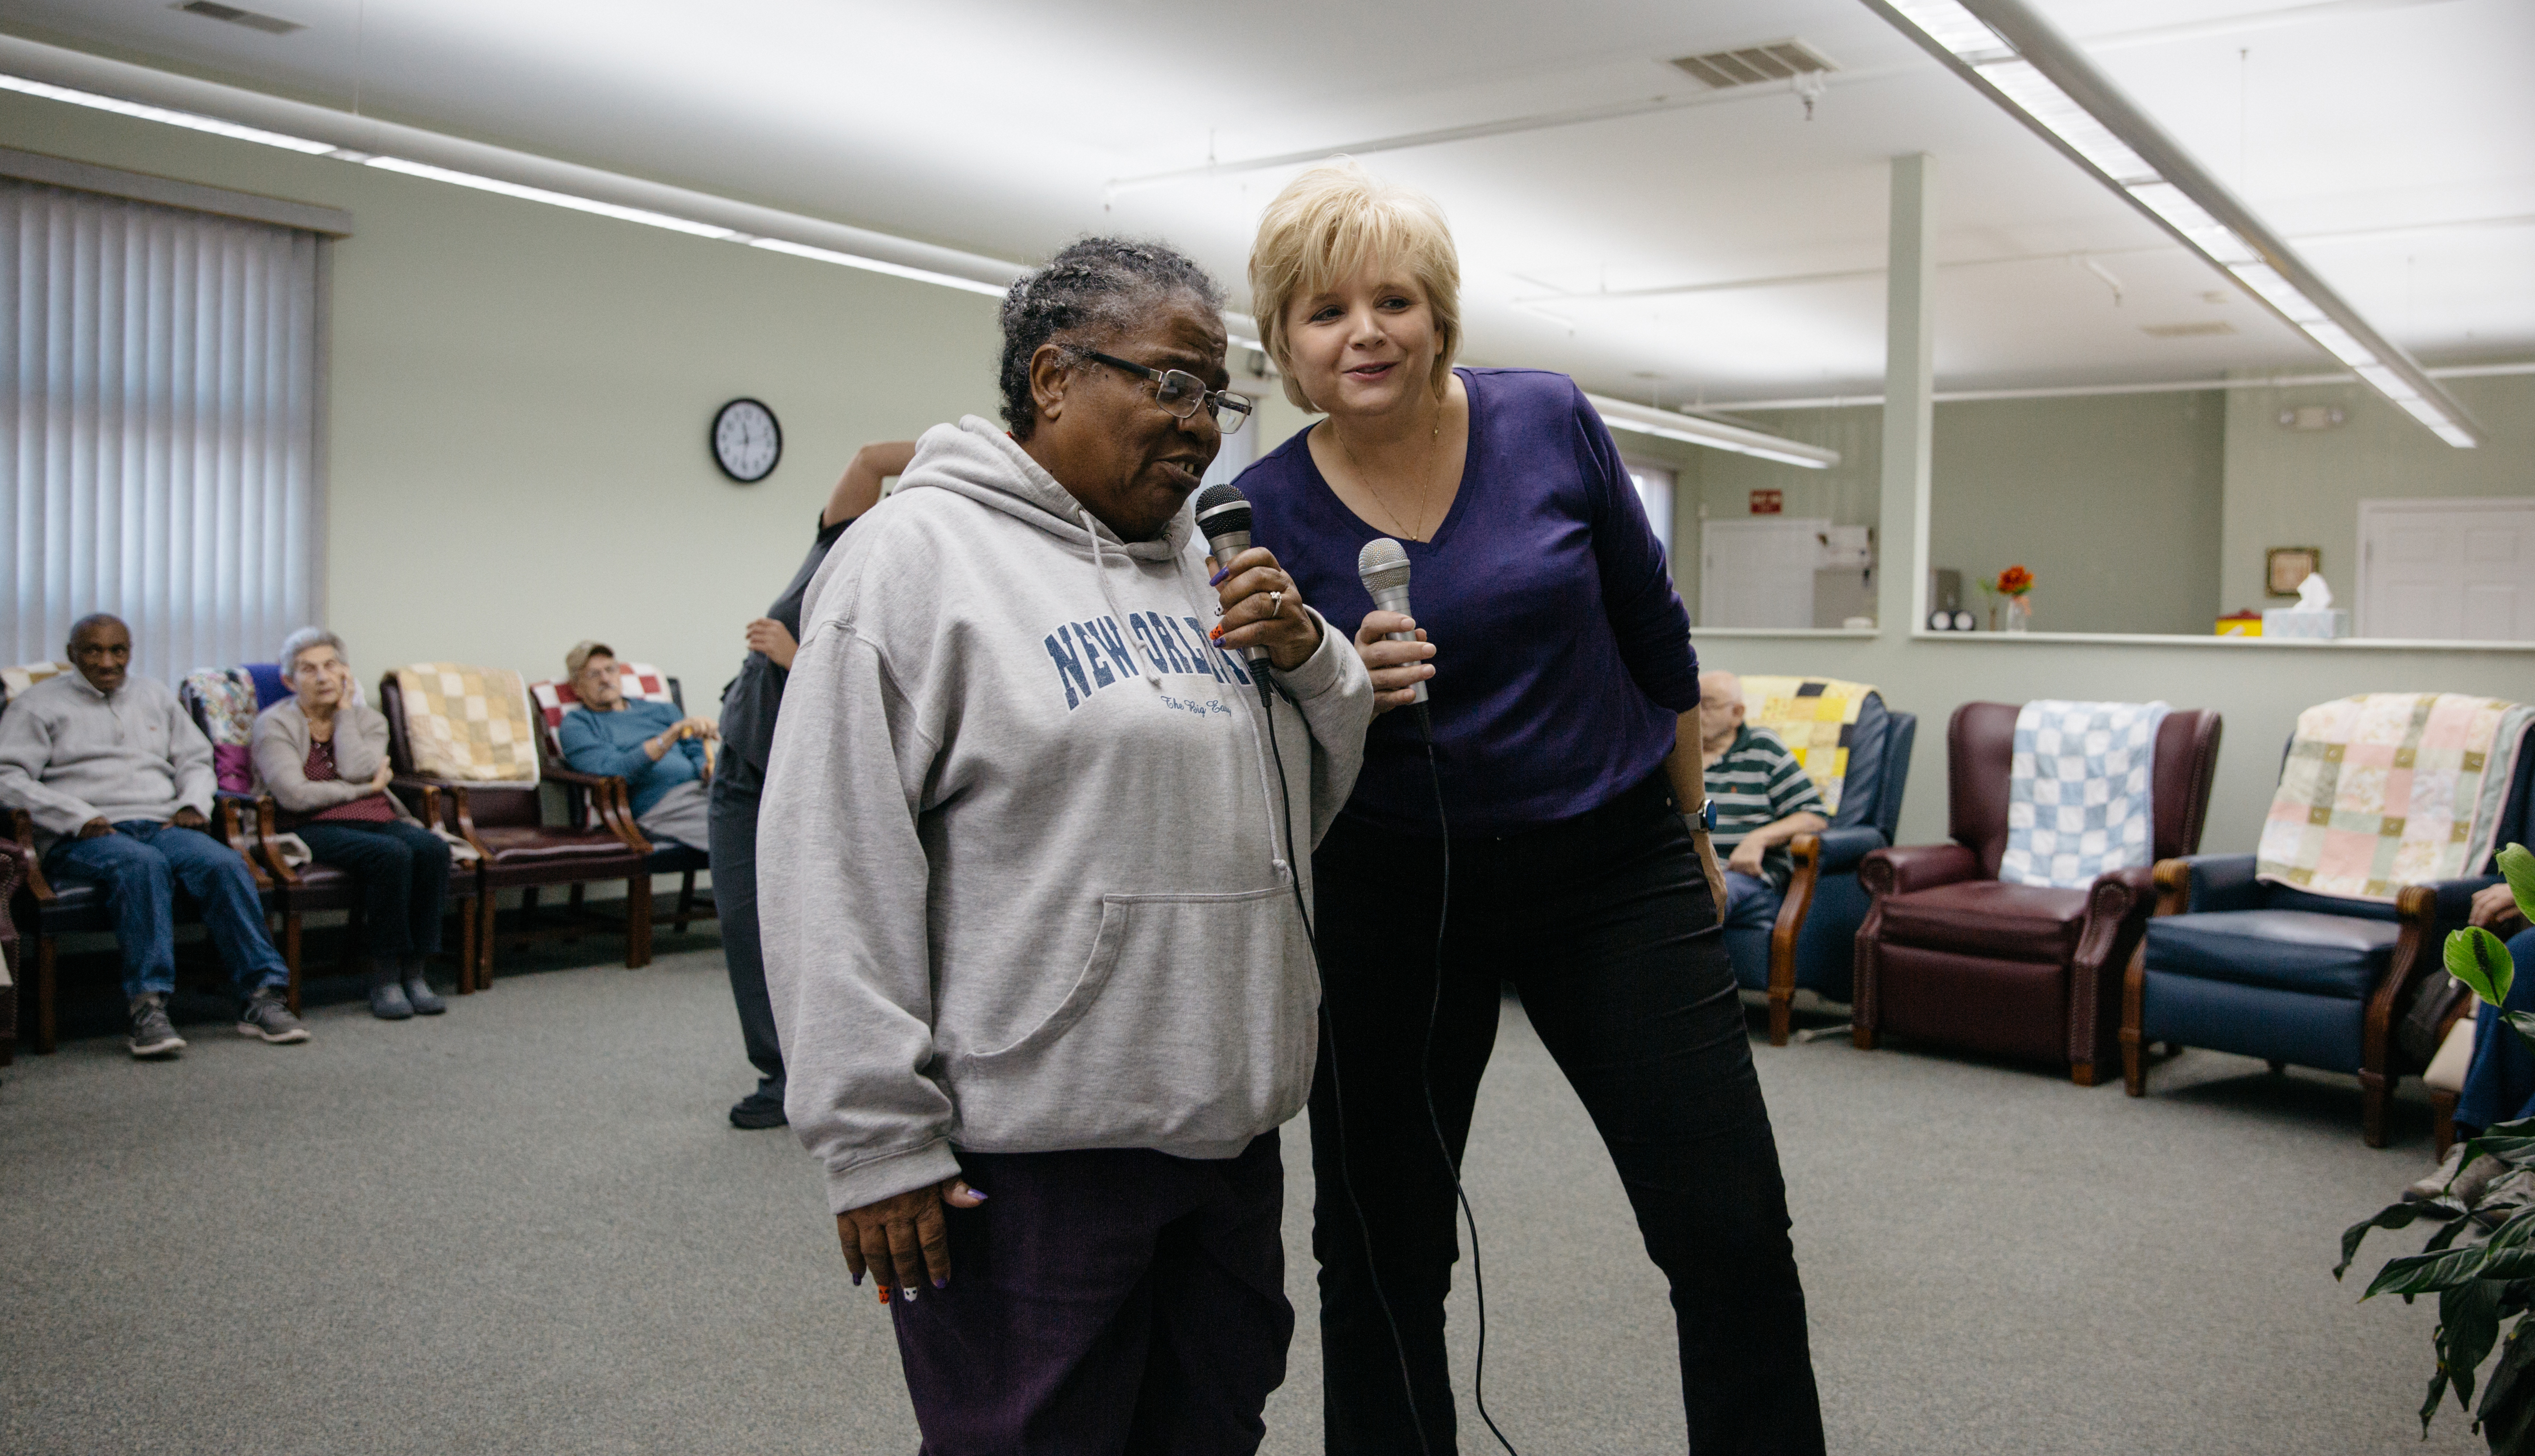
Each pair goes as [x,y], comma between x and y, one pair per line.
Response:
[1763,798]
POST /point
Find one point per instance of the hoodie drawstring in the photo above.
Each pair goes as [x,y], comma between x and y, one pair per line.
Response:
[1109,595]
[1268,794]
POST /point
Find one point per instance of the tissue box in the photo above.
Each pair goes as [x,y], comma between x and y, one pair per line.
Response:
[2298,621]
[2241,624]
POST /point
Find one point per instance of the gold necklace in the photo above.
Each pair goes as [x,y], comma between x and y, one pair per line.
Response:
[1366,476]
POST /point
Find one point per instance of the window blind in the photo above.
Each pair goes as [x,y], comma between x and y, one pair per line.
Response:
[157,448]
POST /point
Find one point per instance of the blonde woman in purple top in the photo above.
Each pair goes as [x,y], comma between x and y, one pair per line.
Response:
[1565,760]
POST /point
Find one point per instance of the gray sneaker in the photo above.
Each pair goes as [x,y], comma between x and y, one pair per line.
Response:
[268,1016]
[2447,1181]
[152,1034]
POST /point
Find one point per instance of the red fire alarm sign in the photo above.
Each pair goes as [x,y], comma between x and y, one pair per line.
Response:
[1767,502]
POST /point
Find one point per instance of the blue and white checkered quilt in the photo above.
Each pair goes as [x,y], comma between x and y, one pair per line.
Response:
[2077,791]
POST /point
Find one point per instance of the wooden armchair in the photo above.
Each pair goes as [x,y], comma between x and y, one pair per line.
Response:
[224,702]
[2237,963]
[502,816]
[554,701]
[51,910]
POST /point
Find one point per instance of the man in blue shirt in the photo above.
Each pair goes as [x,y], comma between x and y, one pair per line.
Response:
[662,757]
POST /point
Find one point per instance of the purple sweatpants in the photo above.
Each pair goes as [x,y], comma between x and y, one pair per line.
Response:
[1106,1303]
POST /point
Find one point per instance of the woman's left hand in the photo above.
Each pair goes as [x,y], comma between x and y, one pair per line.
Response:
[1262,607]
[379,780]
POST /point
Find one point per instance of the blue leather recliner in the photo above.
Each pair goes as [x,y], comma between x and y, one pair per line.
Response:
[2238,964]
[1812,945]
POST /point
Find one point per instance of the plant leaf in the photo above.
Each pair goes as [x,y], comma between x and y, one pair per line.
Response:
[2437,1391]
[2391,1216]
[2507,1418]
[2477,958]
[2468,1326]
[2517,867]
[2427,1273]
[2522,1023]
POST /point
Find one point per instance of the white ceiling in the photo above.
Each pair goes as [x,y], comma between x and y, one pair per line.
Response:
[2391,141]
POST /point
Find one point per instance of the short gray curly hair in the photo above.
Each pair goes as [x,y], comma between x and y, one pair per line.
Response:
[304,639]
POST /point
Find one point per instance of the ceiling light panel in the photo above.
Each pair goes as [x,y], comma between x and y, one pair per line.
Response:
[2009,51]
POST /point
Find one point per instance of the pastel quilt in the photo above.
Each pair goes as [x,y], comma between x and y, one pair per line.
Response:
[2389,789]
[471,724]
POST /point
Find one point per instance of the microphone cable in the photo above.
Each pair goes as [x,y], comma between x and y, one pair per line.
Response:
[1329,1030]
[1425,1077]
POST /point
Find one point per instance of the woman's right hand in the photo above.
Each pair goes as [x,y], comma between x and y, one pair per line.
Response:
[903,1240]
[1396,667]
[379,780]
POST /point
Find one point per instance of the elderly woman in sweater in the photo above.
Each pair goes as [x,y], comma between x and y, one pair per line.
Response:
[324,758]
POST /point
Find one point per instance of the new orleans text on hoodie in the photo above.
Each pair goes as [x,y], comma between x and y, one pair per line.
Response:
[1021,859]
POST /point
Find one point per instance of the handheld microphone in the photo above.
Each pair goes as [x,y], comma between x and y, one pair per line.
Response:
[1382,567]
[1223,515]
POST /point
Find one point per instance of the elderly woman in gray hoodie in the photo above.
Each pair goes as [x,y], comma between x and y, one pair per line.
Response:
[1031,860]
[324,758]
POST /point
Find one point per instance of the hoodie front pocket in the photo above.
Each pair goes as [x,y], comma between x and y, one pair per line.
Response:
[1190,1022]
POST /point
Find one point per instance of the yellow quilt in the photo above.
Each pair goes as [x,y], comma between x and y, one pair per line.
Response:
[471,724]
[1816,717]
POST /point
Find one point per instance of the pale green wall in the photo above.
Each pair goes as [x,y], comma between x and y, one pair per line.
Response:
[2290,487]
[2111,502]
[520,399]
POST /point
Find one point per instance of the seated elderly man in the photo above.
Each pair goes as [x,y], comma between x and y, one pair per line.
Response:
[1763,798]
[119,781]
[662,758]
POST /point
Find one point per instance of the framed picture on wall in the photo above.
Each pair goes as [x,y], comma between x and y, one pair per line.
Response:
[2284,566]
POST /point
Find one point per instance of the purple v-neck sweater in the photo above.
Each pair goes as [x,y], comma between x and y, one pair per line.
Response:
[1563,656]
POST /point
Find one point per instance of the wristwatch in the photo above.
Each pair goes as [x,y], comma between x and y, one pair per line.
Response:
[1704,822]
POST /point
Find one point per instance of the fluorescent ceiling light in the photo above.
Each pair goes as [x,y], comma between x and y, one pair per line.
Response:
[2003,47]
[1689,429]
[192,121]
[185,119]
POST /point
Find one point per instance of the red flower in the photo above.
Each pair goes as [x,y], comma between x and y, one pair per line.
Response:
[2015,581]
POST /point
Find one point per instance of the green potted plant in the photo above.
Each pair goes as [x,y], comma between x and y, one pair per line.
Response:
[2479,1261]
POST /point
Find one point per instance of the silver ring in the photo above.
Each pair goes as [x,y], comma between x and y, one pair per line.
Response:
[1275,604]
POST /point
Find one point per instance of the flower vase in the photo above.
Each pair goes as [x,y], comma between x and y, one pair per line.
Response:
[2019,614]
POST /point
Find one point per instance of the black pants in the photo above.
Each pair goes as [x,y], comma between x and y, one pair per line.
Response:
[733,821]
[1606,926]
[404,869]
[1111,1300]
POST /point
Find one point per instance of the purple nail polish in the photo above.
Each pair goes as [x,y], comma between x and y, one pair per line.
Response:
[858,1281]
[942,1282]
[977,1193]
[1218,578]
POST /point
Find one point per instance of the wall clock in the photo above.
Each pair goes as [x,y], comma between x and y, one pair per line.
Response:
[746,441]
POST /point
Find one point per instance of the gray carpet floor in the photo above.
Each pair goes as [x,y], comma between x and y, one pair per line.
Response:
[524,1226]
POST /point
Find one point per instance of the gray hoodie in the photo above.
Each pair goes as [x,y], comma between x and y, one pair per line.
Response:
[70,754]
[1021,864]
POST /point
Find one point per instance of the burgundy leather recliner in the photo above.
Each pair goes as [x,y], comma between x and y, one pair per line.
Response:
[1953,955]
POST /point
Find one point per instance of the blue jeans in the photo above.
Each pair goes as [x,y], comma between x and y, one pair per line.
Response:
[2500,1085]
[1750,903]
[141,866]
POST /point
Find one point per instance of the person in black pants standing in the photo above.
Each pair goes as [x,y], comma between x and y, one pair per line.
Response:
[748,709]
[1565,781]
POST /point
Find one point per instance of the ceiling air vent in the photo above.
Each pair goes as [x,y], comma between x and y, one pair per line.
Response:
[2197,330]
[1751,64]
[270,24]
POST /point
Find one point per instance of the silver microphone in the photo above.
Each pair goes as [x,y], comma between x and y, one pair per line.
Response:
[1224,515]
[1382,567]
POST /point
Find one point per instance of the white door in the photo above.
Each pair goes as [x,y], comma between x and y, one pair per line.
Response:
[2454,570]
[1759,573]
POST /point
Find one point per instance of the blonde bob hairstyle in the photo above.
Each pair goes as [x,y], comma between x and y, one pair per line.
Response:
[1329,224]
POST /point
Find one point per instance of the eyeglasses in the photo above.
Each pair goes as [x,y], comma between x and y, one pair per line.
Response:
[1182,392]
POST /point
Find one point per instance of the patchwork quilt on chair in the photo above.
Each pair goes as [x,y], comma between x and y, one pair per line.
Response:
[471,724]
[224,701]
[2390,789]
[1815,718]
[2080,791]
